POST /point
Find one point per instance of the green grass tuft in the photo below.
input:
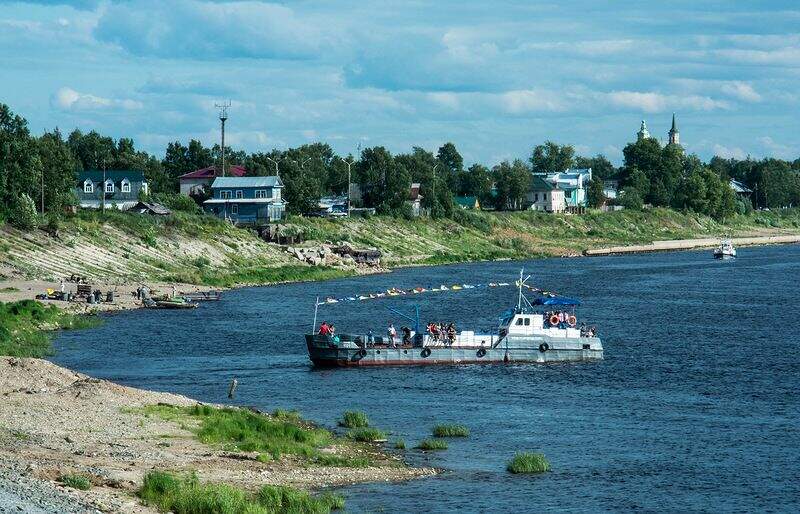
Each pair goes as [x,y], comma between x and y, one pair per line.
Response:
[400,444]
[76,481]
[23,326]
[337,461]
[432,444]
[186,495]
[450,430]
[354,419]
[366,435]
[528,463]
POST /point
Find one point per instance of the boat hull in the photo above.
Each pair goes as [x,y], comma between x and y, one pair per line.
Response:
[324,353]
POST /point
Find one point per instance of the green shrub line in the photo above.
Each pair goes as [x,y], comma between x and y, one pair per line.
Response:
[528,463]
[76,481]
[366,435]
[169,492]
[354,419]
[25,325]
[450,430]
[432,444]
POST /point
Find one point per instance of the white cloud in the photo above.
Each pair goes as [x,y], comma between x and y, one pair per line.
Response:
[741,91]
[67,99]
[729,153]
[651,102]
[779,150]
[523,101]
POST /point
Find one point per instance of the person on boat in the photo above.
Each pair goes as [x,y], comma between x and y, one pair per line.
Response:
[434,331]
[370,338]
[332,330]
[406,335]
[324,329]
[451,333]
[583,329]
[392,333]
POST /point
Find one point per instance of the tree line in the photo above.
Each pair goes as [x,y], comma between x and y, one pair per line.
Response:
[39,172]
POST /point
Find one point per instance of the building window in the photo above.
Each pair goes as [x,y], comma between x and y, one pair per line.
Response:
[239,193]
[234,209]
[126,186]
[109,186]
[261,193]
[225,195]
[88,187]
[145,188]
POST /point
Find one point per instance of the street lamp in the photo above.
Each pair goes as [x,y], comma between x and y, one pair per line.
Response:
[275,162]
[433,199]
[349,164]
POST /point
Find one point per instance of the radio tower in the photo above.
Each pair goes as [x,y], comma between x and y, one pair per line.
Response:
[223,117]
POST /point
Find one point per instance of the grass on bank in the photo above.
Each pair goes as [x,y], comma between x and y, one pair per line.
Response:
[283,433]
[528,463]
[366,435]
[76,481]
[168,492]
[400,444]
[432,444]
[450,430]
[354,419]
[24,325]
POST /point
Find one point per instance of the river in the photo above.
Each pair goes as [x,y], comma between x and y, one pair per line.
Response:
[695,407]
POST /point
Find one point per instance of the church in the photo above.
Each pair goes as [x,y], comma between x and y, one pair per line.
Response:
[674,135]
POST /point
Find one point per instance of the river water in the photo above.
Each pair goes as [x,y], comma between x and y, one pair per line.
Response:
[695,407]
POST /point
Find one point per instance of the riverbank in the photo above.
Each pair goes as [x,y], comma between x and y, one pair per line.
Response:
[55,422]
[693,244]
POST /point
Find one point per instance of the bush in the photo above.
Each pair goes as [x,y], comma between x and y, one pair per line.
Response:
[354,419]
[630,198]
[366,435]
[432,444]
[528,463]
[76,481]
[23,213]
[177,202]
[450,431]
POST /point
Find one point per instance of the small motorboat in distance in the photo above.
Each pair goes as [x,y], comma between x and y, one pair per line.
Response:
[544,330]
[725,250]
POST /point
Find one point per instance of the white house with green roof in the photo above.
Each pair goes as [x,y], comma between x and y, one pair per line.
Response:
[545,197]
[574,183]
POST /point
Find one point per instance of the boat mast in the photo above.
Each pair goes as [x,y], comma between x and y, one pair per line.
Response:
[519,301]
[316,307]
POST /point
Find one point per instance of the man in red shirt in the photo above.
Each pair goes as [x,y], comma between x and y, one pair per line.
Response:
[323,329]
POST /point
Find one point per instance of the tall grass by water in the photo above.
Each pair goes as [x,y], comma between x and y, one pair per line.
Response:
[450,430]
[432,444]
[354,419]
[366,435]
[168,492]
[24,327]
[528,463]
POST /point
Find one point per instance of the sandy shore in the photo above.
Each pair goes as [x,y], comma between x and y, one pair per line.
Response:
[54,421]
[690,244]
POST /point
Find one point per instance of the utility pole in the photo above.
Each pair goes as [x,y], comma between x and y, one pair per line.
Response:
[275,162]
[42,191]
[433,200]
[349,187]
[223,117]
[104,186]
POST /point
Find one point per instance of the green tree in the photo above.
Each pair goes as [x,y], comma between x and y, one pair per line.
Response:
[477,181]
[451,165]
[58,166]
[385,183]
[631,198]
[595,195]
[23,213]
[552,158]
[20,168]
[601,166]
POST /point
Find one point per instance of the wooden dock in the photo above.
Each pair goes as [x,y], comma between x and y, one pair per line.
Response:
[691,244]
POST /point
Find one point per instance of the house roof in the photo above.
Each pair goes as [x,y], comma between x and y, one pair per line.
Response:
[466,201]
[738,187]
[271,181]
[212,171]
[151,208]
[114,175]
[539,184]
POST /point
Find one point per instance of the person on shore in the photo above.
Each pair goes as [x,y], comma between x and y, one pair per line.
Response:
[232,388]
[392,333]
[323,329]
[62,286]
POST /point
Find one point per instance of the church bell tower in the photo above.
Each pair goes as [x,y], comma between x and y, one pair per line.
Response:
[674,135]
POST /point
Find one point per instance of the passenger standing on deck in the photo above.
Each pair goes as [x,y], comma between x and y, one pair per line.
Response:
[392,333]
[323,329]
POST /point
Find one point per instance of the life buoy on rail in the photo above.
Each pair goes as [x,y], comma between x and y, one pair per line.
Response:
[362,353]
[481,352]
[553,319]
[572,320]
[426,352]
[544,347]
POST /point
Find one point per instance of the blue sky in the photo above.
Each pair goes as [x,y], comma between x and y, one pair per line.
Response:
[496,78]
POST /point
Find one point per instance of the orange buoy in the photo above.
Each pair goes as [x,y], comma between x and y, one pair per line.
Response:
[572,321]
[554,319]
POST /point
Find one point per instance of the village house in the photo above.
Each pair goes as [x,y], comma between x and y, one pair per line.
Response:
[741,190]
[115,188]
[574,183]
[468,202]
[193,183]
[415,199]
[545,196]
[611,189]
[246,200]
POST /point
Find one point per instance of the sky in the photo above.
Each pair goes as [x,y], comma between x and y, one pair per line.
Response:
[494,77]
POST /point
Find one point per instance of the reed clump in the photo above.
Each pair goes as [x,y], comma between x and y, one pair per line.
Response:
[432,444]
[366,435]
[528,463]
[450,430]
[354,419]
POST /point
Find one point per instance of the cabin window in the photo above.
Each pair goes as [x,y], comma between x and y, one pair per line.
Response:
[527,322]
[88,187]
[109,186]
[519,321]
[225,195]
[234,209]
[126,186]
[261,193]
[239,193]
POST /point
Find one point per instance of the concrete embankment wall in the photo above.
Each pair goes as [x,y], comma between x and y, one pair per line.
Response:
[689,244]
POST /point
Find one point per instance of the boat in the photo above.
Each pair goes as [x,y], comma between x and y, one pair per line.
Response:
[725,250]
[544,330]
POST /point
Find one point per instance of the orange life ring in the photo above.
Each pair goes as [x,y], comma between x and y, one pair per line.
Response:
[554,319]
[572,321]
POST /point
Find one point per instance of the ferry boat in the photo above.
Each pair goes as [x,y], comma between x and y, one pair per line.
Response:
[540,331]
[725,250]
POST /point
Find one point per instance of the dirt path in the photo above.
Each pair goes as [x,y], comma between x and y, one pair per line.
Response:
[54,421]
[688,244]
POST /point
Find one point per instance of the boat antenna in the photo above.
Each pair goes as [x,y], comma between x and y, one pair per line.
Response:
[316,307]
[521,283]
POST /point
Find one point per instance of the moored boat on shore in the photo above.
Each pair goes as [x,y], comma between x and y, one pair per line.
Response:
[725,250]
[540,331]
